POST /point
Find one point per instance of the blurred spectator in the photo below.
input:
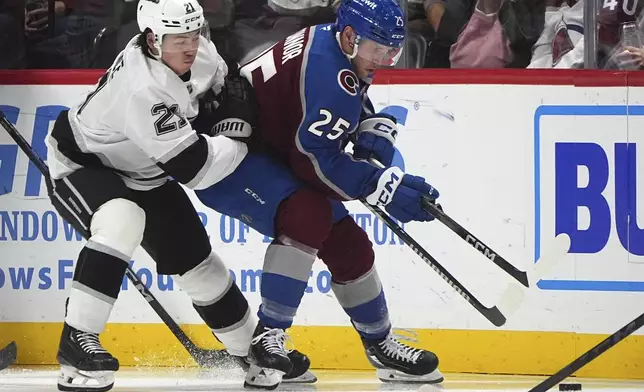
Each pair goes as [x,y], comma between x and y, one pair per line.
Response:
[619,35]
[561,44]
[258,24]
[627,53]
[631,58]
[77,22]
[482,43]
[37,15]
[507,30]
[12,43]
[619,38]
[612,15]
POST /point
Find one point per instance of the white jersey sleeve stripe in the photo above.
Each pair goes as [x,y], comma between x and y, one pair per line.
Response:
[224,155]
[185,143]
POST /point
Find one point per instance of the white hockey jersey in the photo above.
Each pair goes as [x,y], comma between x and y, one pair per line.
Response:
[561,44]
[136,122]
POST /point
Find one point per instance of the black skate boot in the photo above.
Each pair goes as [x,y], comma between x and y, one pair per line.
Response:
[268,349]
[300,373]
[268,358]
[395,361]
[85,365]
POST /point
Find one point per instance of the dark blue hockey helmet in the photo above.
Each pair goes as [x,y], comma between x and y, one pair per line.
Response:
[380,21]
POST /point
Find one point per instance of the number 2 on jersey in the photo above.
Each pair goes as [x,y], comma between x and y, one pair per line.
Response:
[163,125]
[340,127]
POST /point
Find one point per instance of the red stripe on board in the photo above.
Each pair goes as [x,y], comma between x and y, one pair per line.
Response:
[51,77]
[557,77]
[548,77]
[636,79]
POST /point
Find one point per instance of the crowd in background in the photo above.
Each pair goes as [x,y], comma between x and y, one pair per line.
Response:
[37,34]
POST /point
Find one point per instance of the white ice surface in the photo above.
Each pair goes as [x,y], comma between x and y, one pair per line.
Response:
[231,380]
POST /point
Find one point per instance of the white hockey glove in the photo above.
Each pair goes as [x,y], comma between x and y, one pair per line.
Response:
[375,138]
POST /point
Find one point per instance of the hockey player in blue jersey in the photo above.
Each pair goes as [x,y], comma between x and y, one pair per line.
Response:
[311,93]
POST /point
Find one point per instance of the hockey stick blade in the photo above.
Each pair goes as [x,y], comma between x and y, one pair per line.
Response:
[203,357]
[493,314]
[477,244]
[513,297]
[590,355]
[8,355]
[550,258]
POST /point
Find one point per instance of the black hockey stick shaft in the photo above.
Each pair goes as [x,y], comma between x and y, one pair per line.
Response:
[493,314]
[590,355]
[430,206]
[202,356]
[8,355]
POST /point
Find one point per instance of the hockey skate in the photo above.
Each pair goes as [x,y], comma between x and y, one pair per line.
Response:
[268,358]
[299,375]
[396,362]
[85,365]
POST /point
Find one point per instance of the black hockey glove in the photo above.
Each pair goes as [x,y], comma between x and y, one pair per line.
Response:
[232,113]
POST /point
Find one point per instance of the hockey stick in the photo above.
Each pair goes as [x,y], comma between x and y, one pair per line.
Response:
[512,297]
[477,244]
[8,355]
[590,355]
[203,357]
[510,300]
[493,314]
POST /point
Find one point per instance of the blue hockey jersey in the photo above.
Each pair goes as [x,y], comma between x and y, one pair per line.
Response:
[310,102]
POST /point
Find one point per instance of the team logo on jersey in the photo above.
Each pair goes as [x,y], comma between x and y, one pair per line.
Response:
[348,81]
[561,43]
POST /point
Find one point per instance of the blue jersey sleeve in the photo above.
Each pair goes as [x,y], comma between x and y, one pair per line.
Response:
[332,108]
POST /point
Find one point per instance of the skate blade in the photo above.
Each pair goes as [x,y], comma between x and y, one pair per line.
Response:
[391,375]
[306,378]
[71,379]
[262,378]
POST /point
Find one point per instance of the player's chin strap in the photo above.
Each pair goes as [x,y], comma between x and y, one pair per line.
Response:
[355,46]
[353,55]
[157,48]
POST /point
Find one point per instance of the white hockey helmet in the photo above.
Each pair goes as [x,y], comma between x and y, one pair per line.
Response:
[171,17]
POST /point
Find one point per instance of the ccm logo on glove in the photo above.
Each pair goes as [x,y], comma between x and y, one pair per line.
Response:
[380,125]
[375,138]
[387,184]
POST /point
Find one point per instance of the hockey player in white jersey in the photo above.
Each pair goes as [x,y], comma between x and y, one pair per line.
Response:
[117,160]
